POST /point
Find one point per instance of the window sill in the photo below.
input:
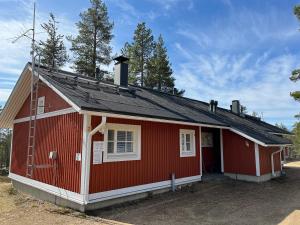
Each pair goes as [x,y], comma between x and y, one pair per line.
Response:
[121,157]
[187,154]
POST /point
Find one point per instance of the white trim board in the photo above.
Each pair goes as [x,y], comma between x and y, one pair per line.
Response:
[47,115]
[257,160]
[122,116]
[102,196]
[60,192]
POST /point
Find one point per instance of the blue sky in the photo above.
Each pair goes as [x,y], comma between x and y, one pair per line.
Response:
[219,49]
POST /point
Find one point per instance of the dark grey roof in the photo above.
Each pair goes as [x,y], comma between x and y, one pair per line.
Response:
[89,94]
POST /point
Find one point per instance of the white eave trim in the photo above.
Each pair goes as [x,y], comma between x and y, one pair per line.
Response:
[59,93]
[255,140]
[47,115]
[122,116]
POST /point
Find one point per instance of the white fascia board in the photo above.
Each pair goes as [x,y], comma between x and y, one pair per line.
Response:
[8,113]
[47,115]
[248,137]
[122,116]
[59,93]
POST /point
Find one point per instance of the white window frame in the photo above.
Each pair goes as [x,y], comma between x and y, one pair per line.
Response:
[204,134]
[127,156]
[41,105]
[183,152]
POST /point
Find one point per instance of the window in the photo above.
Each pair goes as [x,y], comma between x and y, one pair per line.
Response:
[207,139]
[187,143]
[122,142]
[41,105]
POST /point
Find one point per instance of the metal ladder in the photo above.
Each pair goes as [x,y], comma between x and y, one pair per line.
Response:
[32,124]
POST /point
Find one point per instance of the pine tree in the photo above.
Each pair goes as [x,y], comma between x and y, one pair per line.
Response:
[139,52]
[159,68]
[160,71]
[52,51]
[91,47]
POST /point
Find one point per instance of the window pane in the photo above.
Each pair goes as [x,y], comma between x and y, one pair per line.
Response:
[121,147]
[188,138]
[110,135]
[121,135]
[110,147]
[188,146]
[129,136]
[129,147]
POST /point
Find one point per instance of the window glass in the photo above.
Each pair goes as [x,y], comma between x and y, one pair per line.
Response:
[121,147]
[110,135]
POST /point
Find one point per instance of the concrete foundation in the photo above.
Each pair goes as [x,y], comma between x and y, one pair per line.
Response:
[43,195]
[250,178]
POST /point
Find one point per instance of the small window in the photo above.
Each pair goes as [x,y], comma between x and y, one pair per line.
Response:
[122,142]
[187,143]
[207,139]
[41,105]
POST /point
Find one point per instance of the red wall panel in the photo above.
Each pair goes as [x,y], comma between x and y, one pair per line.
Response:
[238,157]
[60,133]
[160,157]
[52,101]
[265,159]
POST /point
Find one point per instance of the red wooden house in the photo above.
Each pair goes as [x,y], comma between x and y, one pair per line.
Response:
[98,143]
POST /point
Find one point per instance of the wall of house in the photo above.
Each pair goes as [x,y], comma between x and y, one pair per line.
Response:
[265,159]
[239,154]
[160,157]
[59,133]
[53,102]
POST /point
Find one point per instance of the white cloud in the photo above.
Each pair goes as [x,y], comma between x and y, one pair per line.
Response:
[262,85]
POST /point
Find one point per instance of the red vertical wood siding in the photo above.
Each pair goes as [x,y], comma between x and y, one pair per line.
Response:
[60,133]
[238,157]
[265,159]
[53,101]
[160,156]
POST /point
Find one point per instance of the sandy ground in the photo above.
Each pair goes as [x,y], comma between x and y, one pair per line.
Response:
[218,201]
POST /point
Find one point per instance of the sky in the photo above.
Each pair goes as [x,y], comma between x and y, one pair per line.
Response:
[219,49]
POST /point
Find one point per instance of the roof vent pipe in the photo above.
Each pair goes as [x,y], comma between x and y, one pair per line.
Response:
[236,107]
[212,107]
[121,71]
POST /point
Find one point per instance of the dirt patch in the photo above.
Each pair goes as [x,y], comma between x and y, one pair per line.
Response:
[20,209]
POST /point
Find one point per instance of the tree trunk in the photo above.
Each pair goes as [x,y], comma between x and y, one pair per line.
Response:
[95,51]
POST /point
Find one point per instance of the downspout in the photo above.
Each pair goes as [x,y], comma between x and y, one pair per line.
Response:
[99,128]
[272,160]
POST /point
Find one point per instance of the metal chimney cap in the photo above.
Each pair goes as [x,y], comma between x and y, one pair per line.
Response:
[121,59]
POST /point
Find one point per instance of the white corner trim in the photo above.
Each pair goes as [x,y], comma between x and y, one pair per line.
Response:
[62,193]
[59,93]
[11,149]
[102,196]
[257,160]
[84,156]
[222,150]
[200,141]
[47,115]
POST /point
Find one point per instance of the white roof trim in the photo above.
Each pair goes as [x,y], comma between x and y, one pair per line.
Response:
[19,95]
[122,116]
[16,99]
